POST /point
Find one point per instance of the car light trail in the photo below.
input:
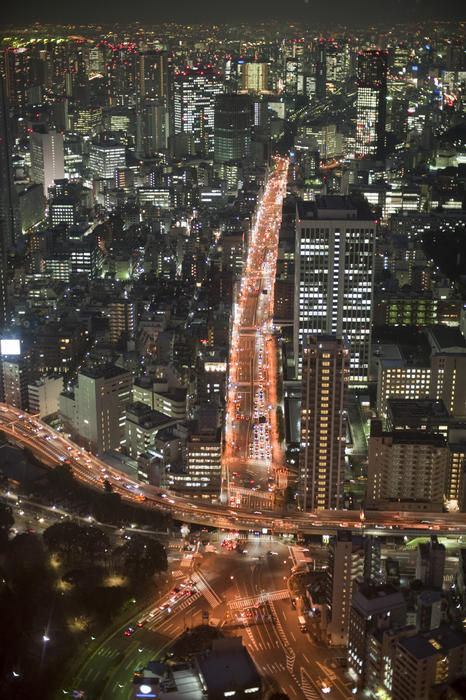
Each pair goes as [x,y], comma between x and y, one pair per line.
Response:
[251,434]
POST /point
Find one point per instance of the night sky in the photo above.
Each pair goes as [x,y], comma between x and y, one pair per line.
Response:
[332,12]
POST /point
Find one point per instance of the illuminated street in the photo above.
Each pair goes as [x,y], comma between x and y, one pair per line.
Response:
[53,447]
[253,453]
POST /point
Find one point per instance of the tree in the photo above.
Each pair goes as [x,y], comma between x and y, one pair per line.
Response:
[143,557]
[25,552]
[106,602]
[76,542]
[6,516]
[94,544]
[108,508]
[63,539]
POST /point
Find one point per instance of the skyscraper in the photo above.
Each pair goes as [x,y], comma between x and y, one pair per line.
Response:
[3,278]
[291,76]
[254,76]
[322,458]
[9,206]
[154,74]
[152,127]
[95,411]
[106,157]
[195,90]
[350,557]
[371,102]
[334,260]
[47,158]
[232,127]
[321,70]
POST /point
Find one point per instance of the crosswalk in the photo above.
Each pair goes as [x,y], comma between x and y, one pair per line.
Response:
[274,668]
[307,686]
[204,587]
[188,601]
[290,655]
[241,603]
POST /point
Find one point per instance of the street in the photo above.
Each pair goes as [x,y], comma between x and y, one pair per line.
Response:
[228,586]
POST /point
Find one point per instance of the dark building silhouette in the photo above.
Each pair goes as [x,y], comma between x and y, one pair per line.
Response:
[9,206]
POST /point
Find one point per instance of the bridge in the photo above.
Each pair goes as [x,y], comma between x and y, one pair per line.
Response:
[52,447]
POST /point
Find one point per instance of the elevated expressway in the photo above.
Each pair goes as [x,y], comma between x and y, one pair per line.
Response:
[52,448]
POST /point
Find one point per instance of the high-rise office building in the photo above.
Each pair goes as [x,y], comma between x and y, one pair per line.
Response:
[3,278]
[321,70]
[323,429]
[195,90]
[232,127]
[400,378]
[95,411]
[350,557]
[155,74]
[105,158]
[291,75]
[254,76]
[47,158]
[152,127]
[371,102]
[9,204]
[334,262]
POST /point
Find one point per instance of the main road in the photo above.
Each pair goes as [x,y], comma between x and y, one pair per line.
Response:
[252,445]
[245,594]
[53,447]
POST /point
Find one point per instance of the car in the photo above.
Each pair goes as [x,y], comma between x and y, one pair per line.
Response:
[129,631]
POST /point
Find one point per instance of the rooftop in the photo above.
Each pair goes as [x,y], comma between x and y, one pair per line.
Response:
[417,437]
[106,371]
[370,599]
[335,207]
[433,642]
[228,666]
[416,411]
[445,338]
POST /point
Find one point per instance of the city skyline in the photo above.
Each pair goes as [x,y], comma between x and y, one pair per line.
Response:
[357,11]
[233,353]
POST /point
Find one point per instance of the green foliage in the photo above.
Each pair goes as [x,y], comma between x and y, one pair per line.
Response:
[6,517]
[25,553]
[143,557]
[105,603]
[79,543]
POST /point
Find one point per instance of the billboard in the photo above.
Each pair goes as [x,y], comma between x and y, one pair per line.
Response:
[10,346]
